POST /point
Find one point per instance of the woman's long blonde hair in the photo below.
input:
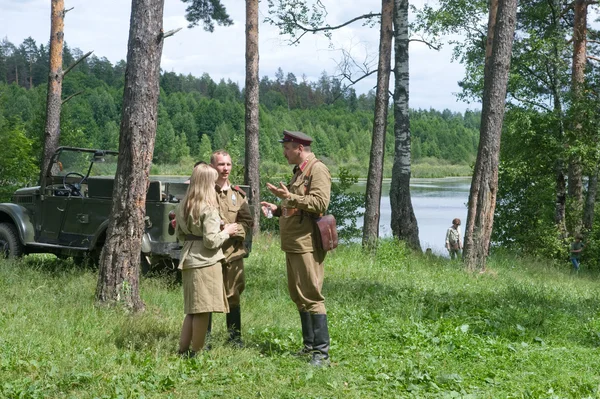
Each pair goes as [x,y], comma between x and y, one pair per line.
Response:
[201,192]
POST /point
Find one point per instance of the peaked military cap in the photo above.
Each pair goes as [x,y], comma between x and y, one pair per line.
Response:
[296,137]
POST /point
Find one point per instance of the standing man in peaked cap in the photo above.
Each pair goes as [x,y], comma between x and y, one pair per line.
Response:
[305,198]
[233,208]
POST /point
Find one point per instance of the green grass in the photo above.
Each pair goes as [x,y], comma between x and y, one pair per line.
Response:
[402,325]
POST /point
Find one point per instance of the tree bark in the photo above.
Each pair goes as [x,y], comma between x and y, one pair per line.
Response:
[375,175]
[251,171]
[55,78]
[575,173]
[404,223]
[484,185]
[590,201]
[491,27]
[118,280]
[560,178]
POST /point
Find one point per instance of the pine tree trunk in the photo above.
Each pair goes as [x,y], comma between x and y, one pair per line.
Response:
[251,174]
[404,223]
[55,78]
[375,176]
[484,186]
[491,27]
[118,280]
[575,179]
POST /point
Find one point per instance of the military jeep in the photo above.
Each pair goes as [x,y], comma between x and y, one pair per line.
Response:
[67,214]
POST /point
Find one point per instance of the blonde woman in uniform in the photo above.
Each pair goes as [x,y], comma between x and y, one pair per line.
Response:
[199,228]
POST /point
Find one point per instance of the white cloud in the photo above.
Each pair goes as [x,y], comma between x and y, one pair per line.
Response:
[103,26]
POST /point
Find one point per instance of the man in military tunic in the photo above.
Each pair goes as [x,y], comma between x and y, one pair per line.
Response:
[304,199]
[233,208]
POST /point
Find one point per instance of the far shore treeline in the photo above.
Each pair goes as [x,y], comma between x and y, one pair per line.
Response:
[198,115]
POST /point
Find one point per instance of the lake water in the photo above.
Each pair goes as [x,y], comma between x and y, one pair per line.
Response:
[435,202]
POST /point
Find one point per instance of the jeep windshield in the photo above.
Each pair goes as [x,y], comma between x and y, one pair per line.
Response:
[83,162]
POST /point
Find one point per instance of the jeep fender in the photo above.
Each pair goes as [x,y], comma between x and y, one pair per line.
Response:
[101,232]
[20,217]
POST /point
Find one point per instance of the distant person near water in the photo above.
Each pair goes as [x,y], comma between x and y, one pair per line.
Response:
[576,249]
[453,242]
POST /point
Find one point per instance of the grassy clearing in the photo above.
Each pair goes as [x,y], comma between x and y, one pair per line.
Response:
[402,325]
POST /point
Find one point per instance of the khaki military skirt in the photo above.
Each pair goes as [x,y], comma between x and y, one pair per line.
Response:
[203,290]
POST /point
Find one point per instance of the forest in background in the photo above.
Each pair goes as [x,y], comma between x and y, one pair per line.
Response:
[198,115]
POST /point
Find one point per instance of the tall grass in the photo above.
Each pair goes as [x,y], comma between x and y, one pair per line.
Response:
[402,325]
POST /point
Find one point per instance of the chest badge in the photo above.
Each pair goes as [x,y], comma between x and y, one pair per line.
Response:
[234,199]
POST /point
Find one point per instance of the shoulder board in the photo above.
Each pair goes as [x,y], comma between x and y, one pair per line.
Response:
[239,190]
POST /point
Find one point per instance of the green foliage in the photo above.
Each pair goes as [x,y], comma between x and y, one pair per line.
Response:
[17,164]
[402,325]
[208,12]
[192,109]
[346,205]
[205,150]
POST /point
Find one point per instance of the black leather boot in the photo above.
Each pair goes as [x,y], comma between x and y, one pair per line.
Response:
[320,352]
[234,326]
[307,334]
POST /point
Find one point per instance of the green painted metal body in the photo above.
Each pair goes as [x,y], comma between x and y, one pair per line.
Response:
[67,214]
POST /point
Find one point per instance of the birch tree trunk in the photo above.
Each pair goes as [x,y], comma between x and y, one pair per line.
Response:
[251,172]
[484,185]
[575,173]
[375,176]
[404,223]
[118,280]
[55,78]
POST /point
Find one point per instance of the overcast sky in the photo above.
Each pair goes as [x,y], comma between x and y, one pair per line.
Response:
[103,26]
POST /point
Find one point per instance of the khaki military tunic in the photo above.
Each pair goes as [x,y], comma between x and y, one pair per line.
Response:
[310,190]
[202,279]
[234,208]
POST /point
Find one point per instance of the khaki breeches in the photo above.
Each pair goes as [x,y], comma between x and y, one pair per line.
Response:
[305,280]
[234,281]
[203,290]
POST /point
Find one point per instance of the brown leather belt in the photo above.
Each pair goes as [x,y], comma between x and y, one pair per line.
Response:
[287,212]
[192,237]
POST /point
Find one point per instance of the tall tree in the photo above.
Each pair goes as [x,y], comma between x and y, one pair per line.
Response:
[484,185]
[403,220]
[55,78]
[375,175]
[31,53]
[252,159]
[118,280]
[575,174]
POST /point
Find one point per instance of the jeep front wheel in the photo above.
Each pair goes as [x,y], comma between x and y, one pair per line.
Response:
[10,244]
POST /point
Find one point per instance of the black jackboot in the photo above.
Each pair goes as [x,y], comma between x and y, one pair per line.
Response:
[234,326]
[307,334]
[320,352]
